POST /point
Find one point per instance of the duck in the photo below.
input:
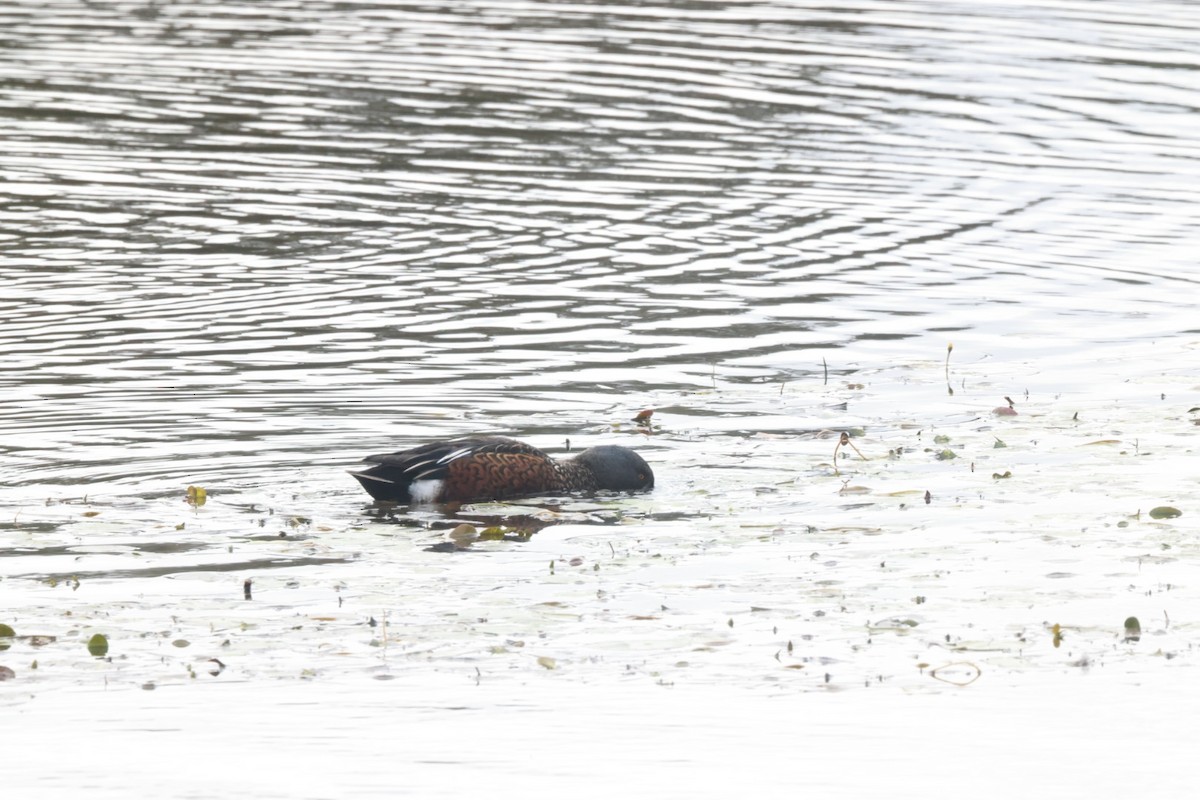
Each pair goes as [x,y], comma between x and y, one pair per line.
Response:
[479,468]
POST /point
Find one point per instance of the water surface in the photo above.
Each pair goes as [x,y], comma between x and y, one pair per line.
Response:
[243,245]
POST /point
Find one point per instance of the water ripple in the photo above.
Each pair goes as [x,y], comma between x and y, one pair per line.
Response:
[237,222]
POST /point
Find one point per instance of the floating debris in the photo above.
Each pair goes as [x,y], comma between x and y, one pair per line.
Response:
[196,496]
[1005,411]
[957,673]
[98,645]
[1165,512]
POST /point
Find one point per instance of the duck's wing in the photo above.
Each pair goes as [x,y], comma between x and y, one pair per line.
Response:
[474,468]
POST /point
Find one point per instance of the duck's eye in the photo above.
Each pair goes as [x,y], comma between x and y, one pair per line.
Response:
[641,476]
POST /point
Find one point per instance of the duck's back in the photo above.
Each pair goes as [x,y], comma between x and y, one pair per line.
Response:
[474,468]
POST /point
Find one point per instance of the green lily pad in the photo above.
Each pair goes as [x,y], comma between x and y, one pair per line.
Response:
[6,635]
[1165,512]
[98,645]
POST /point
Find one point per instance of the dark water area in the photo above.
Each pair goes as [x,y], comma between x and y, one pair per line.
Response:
[243,245]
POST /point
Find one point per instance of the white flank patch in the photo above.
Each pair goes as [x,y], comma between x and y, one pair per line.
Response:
[425,491]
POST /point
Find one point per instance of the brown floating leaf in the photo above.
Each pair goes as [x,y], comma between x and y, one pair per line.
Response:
[1004,411]
[643,417]
[91,513]
[6,674]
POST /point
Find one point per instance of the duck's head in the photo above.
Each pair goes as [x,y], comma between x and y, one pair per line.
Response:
[617,469]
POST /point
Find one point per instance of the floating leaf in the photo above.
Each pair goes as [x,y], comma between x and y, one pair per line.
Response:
[1165,512]
[1004,411]
[6,634]
[999,443]
[643,417]
[98,645]
[196,496]
[946,455]
[463,535]
[1133,629]
[547,662]
[941,438]
[6,674]
[958,673]
[91,513]
[998,476]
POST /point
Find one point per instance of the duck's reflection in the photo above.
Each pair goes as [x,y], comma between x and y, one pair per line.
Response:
[459,531]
